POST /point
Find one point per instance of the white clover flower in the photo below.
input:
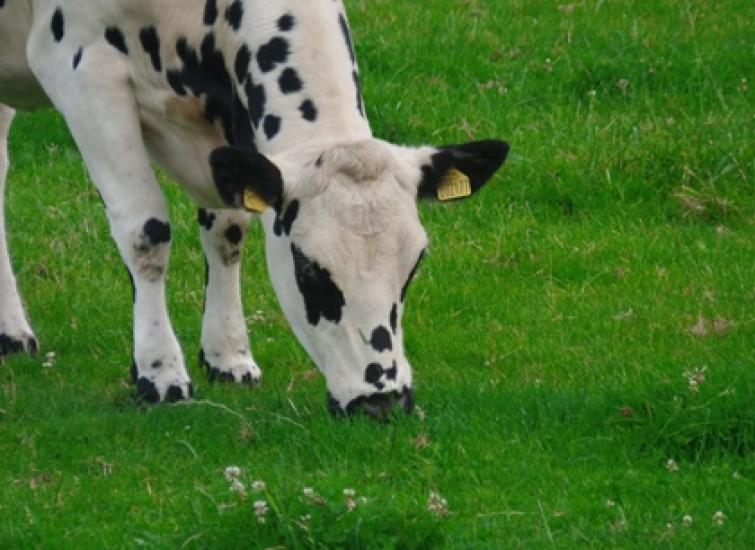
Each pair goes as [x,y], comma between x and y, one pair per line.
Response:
[258,486]
[687,520]
[437,504]
[671,465]
[232,472]
[49,360]
[309,492]
[260,510]
[349,495]
[719,517]
[736,475]
[610,503]
[258,316]
[695,378]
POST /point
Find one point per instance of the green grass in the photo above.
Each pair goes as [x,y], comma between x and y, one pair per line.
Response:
[549,328]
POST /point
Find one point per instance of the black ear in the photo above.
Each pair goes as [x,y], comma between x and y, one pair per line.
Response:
[245,178]
[457,171]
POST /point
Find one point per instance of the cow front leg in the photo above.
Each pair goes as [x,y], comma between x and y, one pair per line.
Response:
[15,334]
[144,241]
[225,350]
[95,96]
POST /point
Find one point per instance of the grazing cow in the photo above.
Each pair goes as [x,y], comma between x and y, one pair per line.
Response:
[254,106]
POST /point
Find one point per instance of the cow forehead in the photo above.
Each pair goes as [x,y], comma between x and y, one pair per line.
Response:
[376,210]
[362,161]
[357,183]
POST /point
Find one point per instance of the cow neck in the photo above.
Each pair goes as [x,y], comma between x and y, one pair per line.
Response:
[295,69]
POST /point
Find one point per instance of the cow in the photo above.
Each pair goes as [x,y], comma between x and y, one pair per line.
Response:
[255,108]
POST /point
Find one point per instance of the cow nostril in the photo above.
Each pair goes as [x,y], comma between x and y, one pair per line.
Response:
[381,406]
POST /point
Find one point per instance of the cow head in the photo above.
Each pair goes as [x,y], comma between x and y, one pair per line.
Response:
[343,242]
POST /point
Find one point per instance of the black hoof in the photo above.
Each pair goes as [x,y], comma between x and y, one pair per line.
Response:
[214,374]
[12,346]
[175,393]
[147,391]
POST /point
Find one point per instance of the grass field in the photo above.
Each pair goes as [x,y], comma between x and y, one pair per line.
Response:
[582,332]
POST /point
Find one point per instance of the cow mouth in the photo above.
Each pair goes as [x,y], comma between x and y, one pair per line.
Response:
[380,406]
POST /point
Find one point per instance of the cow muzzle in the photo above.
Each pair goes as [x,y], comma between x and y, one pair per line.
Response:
[380,406]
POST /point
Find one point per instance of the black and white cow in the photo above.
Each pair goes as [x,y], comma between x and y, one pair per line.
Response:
[253,106]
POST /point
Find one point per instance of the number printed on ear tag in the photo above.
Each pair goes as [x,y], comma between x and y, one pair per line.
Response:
[455,185]
[253,202]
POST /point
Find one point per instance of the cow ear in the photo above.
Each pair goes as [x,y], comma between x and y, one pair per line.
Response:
[458,171]
[245,178]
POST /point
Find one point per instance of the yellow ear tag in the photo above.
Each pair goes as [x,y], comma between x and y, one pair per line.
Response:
[454,185]
[253,202]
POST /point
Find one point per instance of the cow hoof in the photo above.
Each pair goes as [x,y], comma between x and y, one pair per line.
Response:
[161,389]
[13,344]
[242,371]
[148,392]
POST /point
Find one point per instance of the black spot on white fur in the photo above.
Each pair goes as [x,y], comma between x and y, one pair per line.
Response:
[271,54]
[272,126]
[392,372]
[286,23]
[57,25]
[241,65]
[233,234]
[115,38]
[210,12]
[381,340]
[322,297]
[77,58]
[308,110]
[157,232]
[205,218]
[151,44]
[284,223]
[374,373]
[394,318]
[256,99]
[234,13]
[289,81]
